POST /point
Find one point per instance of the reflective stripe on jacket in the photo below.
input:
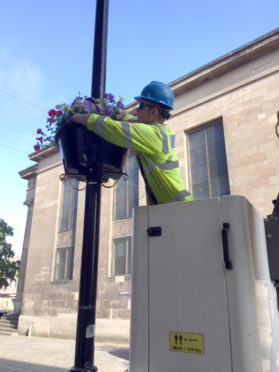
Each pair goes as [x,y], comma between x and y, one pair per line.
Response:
[154,145]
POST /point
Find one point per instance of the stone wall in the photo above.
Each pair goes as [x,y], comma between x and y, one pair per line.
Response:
[248,110]
[241,88]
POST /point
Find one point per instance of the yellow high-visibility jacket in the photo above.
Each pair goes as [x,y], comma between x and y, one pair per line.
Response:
[156,155]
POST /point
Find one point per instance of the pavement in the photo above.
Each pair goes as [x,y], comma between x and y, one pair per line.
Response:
[39,354]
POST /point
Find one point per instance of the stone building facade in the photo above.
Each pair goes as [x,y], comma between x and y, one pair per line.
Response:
[224,120]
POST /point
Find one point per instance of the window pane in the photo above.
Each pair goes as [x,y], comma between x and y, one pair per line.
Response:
[73,203]
[64,263]
[207,150]
[129,255]
[120,256]
[65,206]
[60,264]
[132,185]
[70,262]
[68,205]
[198,165]
[217,160]
[126,192]
[120,201]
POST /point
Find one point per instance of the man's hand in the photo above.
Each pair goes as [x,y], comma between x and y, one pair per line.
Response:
[80,119]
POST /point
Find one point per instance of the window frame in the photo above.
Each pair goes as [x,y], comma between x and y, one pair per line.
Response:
[127,185]
[204,127]
[72,199]
[66,228]
[128,253]
[68,264]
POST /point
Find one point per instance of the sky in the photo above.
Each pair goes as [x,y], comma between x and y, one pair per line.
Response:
[46,55]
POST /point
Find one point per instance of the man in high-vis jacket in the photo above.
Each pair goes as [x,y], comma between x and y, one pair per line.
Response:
[151,139]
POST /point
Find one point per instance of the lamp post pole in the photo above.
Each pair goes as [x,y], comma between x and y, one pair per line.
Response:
[85,336]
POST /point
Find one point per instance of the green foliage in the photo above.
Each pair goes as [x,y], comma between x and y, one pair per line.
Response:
[8,268]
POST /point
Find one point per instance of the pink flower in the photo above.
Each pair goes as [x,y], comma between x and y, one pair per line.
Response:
[51,112]
[58,116]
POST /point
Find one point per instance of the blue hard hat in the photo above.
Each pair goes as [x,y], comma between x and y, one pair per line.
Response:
[157,92]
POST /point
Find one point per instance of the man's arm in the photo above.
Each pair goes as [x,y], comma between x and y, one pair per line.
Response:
[136,136]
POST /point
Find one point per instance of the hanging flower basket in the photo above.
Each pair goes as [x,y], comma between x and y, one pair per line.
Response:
[82,150]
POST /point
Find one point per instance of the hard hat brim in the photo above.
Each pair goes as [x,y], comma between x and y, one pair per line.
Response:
[139,98]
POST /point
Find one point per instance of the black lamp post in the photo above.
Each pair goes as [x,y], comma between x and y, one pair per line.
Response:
[84,354]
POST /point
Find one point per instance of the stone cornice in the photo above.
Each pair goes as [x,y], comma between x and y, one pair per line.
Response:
[44,153]
[37,156]
[227,62]
[223,64]
[229,89]
[29,172]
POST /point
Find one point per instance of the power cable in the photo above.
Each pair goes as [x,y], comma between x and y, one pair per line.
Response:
[21,100]
[13,149]
[27,103]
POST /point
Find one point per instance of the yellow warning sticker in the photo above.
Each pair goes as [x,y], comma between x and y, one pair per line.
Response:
[186,342]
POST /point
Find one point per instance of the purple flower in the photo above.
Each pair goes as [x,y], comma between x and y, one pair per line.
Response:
[90,99]
[98,110]
[109,97]
[87,106]
[108,110]
[57,117]
[76,100]
[120,105]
